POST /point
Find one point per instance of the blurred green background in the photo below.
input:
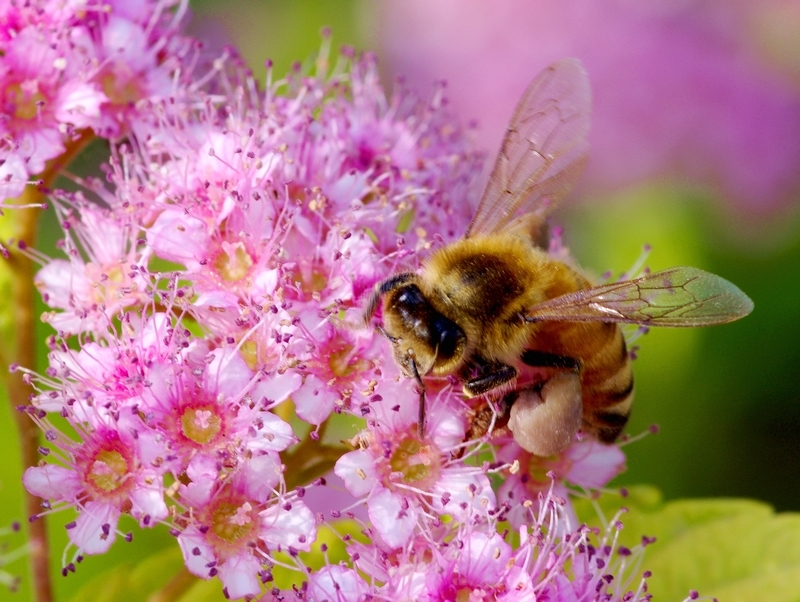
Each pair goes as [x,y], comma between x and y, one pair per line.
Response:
[726,398]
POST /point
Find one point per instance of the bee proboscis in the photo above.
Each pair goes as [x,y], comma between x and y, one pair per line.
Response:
[494,305]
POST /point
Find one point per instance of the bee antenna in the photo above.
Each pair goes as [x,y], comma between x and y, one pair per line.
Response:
[384,287]
[421,388]
[372,305]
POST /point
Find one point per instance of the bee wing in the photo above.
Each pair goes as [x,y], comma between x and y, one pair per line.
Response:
[680,296]
[544,149]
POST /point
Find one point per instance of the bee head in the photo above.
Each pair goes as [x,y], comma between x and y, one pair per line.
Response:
[419,333]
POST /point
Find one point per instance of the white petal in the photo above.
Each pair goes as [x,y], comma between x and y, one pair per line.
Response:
[295,527]
[357,470]
[88,534]
[394,524]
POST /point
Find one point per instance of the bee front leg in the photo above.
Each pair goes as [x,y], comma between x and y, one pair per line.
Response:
[421,390]
[492,376]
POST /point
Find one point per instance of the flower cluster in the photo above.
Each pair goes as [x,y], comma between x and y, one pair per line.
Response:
[71,67]
[209,323]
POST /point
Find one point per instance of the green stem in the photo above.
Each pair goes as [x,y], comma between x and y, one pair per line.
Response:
[21,224]
[23,352]
[310,459]
[177,586]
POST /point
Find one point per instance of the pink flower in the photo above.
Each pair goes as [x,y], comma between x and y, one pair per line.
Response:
[230,533]
[407,480]
[109,472]
[101,276]
[38,97]
[586,464]
[220,410]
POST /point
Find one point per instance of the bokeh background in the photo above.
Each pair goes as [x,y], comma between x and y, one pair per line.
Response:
[695,151]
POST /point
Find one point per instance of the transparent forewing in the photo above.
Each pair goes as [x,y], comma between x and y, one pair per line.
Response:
[675,297]
[543,151]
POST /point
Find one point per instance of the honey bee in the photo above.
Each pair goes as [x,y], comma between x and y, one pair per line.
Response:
[494,306]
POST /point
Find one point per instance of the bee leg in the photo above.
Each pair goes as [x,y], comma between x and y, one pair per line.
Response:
[495,375]
[421,389]
[381,330]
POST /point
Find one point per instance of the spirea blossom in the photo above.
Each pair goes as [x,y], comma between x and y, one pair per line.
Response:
[209,318]
[73,67]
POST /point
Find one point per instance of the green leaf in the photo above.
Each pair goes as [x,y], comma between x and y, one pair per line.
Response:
[405,221]
[204,591]
[732,549]
[134,583]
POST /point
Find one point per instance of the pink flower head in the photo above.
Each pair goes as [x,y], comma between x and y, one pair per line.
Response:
[111,471]
[72,66]
[339,367]
[223,285]
[586,464]
[406,479]
[101,276]
[230,533]
[220,409]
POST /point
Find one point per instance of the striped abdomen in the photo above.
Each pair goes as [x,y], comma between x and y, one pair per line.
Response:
[606,375]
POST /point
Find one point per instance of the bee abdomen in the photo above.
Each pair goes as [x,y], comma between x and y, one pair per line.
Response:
[608,390]
[605,413]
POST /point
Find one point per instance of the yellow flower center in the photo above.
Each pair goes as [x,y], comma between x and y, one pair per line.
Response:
[233,522]
[234,262]
[22,100]
[201,424]
[344,363]
[414,461]
[108,471]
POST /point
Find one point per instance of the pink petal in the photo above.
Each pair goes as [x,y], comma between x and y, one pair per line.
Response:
[594,464]
[13,177]
[295,527]
[469,492]
[88,534]
[483,558]
[357,470]
[394,524]
[227,373]
[238,575]
[51,482]
[197,554]
[334,582]
[259,476]
[273,435]
[148,499]
[179,237]
[313,401]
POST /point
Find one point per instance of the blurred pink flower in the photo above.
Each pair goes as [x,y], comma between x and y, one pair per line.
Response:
[680,89]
